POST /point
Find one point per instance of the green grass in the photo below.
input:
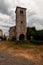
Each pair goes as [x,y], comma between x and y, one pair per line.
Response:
[19,44]
[23,45]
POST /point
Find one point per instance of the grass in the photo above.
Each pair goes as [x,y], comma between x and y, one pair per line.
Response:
[35,51]
[23,45]
[19,44]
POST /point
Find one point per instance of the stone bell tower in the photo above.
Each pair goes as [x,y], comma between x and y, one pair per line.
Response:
[21,29]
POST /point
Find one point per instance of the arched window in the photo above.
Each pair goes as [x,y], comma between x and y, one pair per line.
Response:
[21,11]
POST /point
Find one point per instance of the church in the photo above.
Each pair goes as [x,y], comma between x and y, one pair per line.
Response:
[19,31]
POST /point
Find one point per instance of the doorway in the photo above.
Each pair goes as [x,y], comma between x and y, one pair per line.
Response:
[21,37]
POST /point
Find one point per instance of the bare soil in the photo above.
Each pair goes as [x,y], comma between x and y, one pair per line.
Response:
[20,56]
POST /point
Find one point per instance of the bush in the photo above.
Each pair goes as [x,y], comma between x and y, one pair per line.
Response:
[36,42]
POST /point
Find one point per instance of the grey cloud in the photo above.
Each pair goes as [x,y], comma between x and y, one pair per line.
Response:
[34,20]
[3,8]
[13,16]
[31,13]
[5,26]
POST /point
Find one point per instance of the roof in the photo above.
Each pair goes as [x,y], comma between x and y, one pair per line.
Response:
[20,8]
[12,27]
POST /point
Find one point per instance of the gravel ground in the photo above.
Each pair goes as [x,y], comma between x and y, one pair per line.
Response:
[7,59]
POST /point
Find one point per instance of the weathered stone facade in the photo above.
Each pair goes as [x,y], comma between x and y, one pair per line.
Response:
[20,30]
[21,23]
[12,32]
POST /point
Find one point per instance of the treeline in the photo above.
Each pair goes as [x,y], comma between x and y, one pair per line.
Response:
[36,34]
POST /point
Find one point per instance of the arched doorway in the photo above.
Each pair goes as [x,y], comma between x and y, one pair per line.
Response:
[21,37]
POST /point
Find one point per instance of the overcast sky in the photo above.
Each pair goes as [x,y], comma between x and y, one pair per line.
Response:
[34,13]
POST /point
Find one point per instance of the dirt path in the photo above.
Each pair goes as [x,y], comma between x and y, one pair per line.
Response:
[7,59]
[11,56]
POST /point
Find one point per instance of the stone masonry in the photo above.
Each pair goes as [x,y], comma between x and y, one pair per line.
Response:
[20,29]
[21,23]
